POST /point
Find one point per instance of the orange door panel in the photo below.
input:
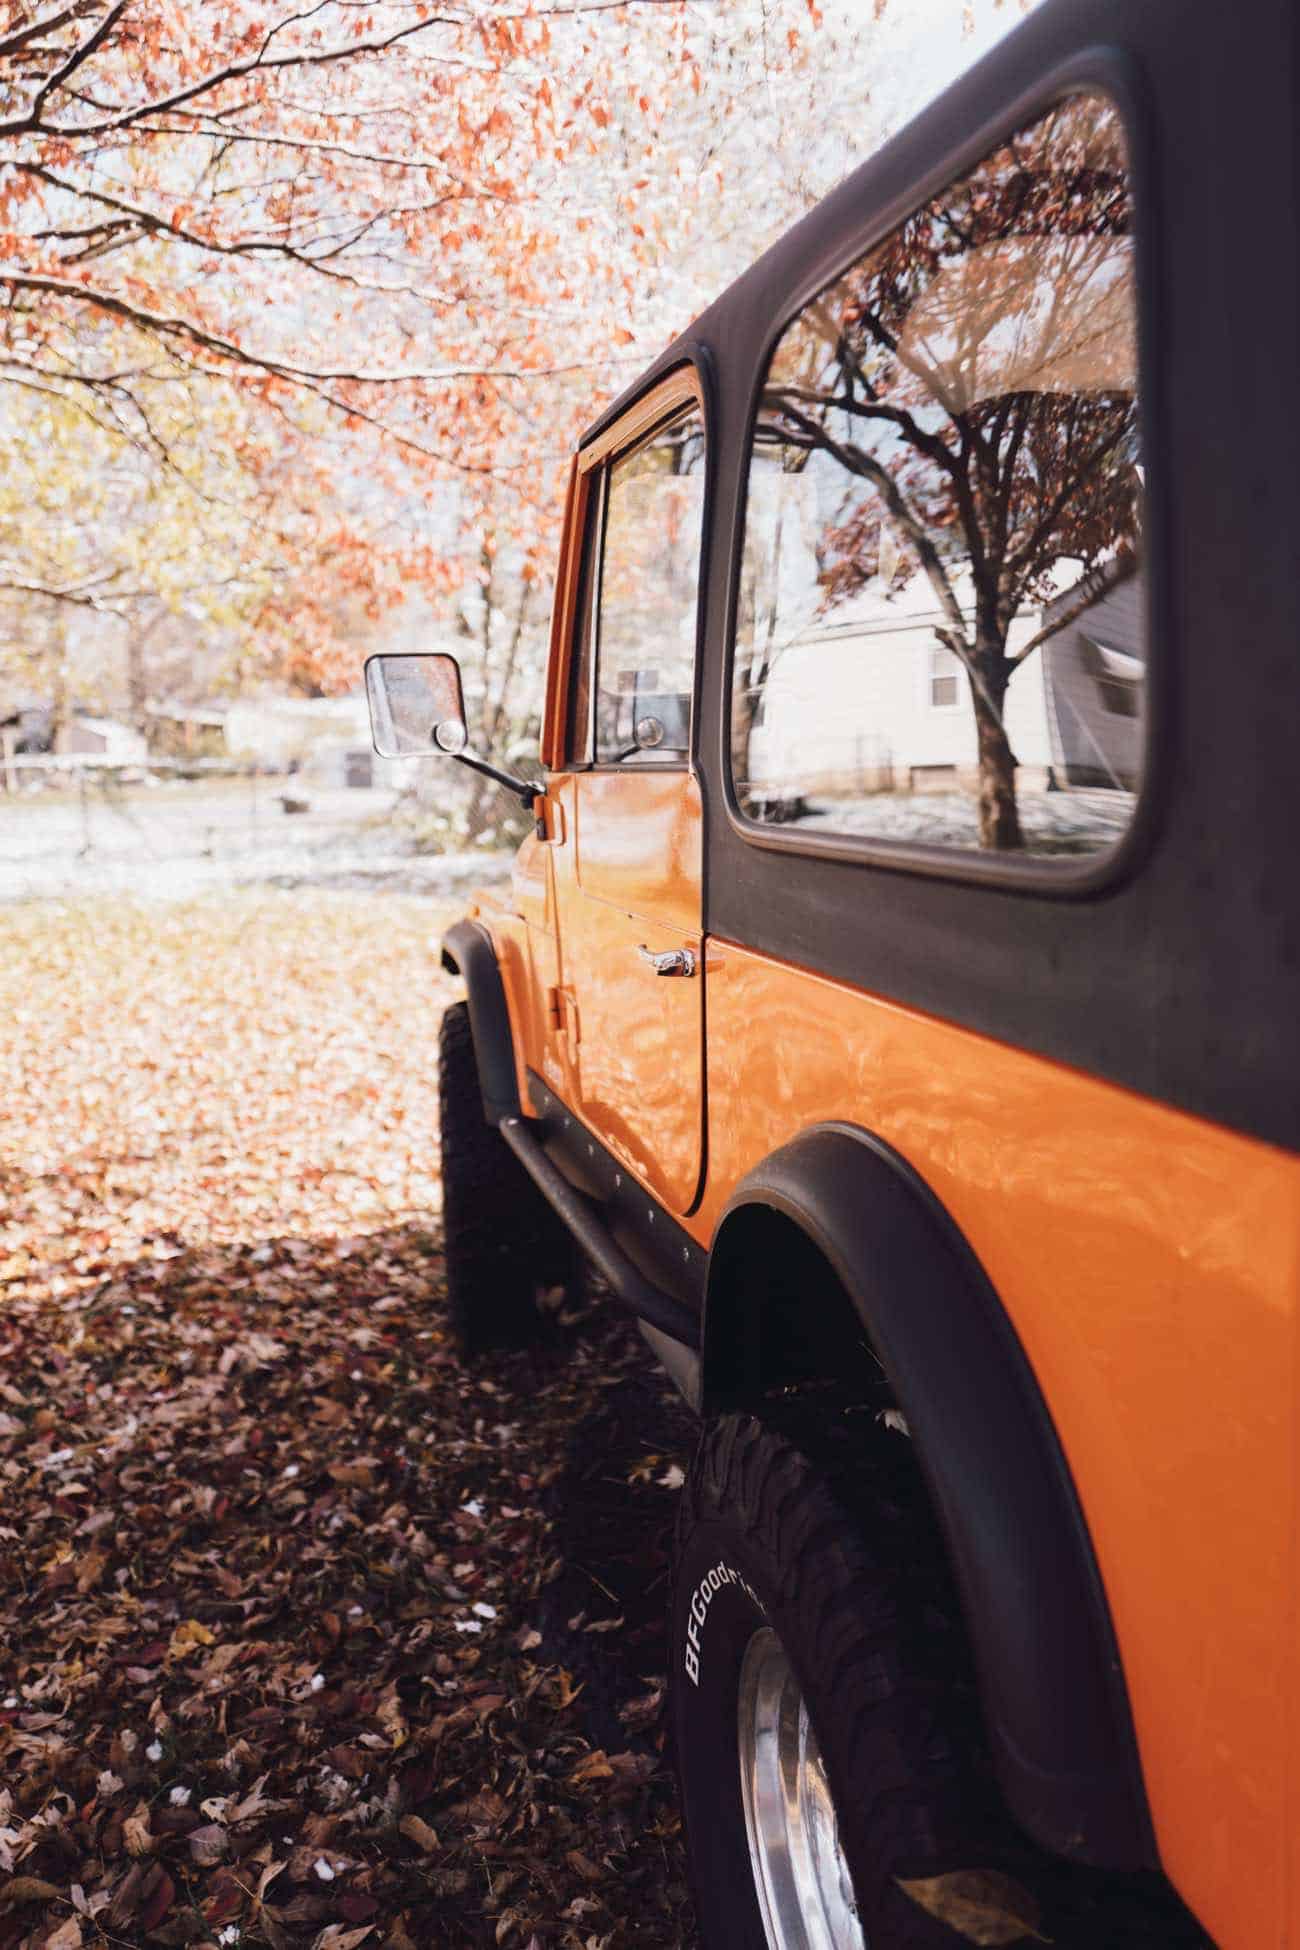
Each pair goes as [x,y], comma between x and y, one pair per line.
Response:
[627,888]
[640,843]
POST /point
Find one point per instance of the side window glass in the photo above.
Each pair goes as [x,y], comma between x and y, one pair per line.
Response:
[940,636]
[646,606]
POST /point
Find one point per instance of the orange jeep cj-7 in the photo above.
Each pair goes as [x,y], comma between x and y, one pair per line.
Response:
[896,1002]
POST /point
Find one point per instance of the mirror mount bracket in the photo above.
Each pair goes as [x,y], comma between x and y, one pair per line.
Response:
[522,789]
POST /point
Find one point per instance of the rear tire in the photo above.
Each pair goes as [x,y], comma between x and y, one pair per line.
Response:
[505,1248]
[824,1582]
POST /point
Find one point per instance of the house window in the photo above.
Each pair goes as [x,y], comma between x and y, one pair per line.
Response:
[944,493]
[944,671]
[1118,677]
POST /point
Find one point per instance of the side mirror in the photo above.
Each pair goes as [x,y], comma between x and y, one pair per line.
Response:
[416,705]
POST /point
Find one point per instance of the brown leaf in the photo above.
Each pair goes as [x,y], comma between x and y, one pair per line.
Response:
[226,1897]
[136,1832]
[66,1937]
[982,1905]
[592,1767]
[391,1717]
[92,1569]
[126,1898]
[158,1897]
[419,1832]
[335,1937]
[631,1769]
[208,1845]
[28,1889]
[267,1877]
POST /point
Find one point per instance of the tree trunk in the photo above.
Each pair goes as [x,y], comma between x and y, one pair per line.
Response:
[137,687]
[57,648]
[999,816]
[478,810]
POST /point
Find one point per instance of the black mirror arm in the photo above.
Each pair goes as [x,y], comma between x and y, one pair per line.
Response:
[523,791]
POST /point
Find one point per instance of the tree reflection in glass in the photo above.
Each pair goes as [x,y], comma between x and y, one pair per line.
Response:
[946,460]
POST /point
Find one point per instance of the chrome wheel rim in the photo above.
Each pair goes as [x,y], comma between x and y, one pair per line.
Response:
[801,1878]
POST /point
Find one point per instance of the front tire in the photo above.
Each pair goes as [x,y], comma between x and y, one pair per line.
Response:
[504,1246]
[824,1716]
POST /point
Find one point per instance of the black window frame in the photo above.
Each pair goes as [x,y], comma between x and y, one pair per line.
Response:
[1110,75]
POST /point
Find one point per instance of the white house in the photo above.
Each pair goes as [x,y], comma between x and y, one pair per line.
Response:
[868,701]
[103,738]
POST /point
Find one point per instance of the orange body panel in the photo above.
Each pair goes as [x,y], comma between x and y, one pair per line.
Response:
[623,1047]
[1149,1263]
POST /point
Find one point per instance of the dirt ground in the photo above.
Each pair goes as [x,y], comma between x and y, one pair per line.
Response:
[306,1636]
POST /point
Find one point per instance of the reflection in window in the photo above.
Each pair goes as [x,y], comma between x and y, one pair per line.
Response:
[649,586]
[940,634]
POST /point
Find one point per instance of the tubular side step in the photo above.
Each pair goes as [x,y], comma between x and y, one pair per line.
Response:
[649,1303]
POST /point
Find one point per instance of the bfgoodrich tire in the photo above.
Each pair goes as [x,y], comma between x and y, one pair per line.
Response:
[505,1248]
[819,1588]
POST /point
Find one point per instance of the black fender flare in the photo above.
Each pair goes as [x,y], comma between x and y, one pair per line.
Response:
[467,951]
[1045,1652]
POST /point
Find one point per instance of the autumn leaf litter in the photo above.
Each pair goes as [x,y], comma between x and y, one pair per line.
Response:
[311,1637]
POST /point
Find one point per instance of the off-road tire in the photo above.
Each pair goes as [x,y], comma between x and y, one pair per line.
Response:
[505,1248]
[839,1555]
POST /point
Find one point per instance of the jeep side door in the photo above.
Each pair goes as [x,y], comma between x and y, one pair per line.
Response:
[624,806]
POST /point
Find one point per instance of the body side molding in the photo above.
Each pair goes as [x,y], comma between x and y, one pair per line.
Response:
[1045,1651]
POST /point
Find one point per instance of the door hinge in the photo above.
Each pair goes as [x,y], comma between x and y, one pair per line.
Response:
[548,820]
[562,1015]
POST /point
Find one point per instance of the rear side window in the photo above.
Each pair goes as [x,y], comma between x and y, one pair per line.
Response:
[641,601]
[940,632]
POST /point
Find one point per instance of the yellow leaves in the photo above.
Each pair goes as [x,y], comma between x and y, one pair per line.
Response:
[984,1906]
[187,1638]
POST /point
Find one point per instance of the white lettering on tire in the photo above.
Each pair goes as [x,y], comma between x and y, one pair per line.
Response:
[702,1597]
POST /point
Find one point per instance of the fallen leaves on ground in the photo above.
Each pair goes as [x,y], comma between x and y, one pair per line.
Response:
[308,1637]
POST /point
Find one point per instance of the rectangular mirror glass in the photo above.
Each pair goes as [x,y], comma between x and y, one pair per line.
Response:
[416,704]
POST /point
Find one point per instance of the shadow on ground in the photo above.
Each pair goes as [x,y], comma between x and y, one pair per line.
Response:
[313,1637]
[310,1636]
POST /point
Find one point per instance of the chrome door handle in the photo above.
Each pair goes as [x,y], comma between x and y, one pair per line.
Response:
[674,961]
